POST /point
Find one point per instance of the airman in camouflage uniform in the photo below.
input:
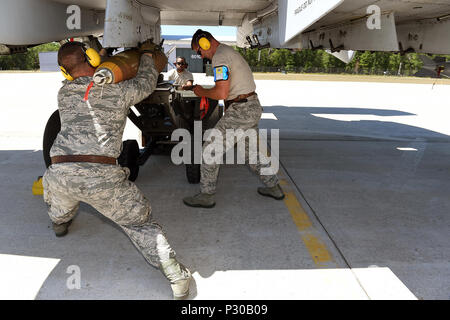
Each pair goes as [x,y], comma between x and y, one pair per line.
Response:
[93,119]
[234,83]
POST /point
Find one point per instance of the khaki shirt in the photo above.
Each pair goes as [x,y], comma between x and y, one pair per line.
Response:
[95,126]
[180,78]
[239,73]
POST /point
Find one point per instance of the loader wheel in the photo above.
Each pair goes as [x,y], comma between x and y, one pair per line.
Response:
[193,170]
[52,129]
[193,173]
[214,117]
[129,157]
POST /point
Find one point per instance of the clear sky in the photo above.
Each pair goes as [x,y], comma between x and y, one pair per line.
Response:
[190,30]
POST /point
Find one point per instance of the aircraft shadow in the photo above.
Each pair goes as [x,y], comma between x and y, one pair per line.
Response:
[243,232]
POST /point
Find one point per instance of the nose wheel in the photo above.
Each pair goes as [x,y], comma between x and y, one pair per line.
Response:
[129,158]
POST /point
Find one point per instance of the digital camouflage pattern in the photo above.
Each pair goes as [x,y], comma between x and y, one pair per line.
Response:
[244,116]
[95,127]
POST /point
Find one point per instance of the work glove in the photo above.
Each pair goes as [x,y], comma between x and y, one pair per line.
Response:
[156,52]
[160,60]
[148,47]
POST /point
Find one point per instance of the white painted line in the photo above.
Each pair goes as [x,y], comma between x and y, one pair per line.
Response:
[21,277]
[359,117]
[382,284]
[269,116]
[316,284]
[406,149]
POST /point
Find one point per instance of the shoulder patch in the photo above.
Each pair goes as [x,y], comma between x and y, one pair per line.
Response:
[221,73]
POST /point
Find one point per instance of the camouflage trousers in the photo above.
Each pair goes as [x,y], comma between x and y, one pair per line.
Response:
[107,189]
[244,116]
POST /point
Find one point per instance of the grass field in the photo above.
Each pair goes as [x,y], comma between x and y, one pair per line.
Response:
[346,77]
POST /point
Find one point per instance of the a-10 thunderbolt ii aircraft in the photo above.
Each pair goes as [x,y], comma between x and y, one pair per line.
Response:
[338,26]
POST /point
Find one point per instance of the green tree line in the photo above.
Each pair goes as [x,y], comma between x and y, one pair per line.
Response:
[364,62]
[28,60]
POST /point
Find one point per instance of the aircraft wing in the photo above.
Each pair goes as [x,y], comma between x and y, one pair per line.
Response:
[377,25]
[384,25]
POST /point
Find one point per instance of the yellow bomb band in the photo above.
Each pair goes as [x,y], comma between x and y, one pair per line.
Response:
[220,73]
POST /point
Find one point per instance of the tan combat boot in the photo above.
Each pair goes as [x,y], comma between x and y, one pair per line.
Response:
[275,192]
[202,200]
[179,277]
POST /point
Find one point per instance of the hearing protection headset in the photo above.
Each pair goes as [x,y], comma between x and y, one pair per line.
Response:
[203,41]
[91,56]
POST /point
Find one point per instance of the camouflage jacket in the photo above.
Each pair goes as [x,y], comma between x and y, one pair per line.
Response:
[95,126]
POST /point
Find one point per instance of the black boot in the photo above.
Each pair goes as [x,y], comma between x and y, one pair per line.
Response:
[61,229]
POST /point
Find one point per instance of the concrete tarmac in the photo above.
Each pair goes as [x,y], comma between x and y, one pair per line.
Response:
[364,166]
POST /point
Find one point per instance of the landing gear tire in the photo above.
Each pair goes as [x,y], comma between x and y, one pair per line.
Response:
[52,129]
[129,158]
[214,117]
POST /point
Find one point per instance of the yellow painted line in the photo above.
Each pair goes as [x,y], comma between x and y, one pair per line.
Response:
[298,214]
[316,247]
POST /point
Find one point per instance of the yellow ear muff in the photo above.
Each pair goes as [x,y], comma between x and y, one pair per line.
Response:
[66,74]
[93,57]
[204,43]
